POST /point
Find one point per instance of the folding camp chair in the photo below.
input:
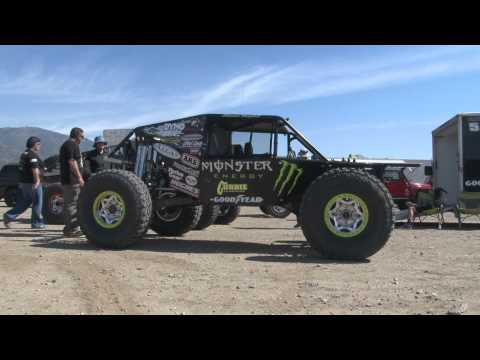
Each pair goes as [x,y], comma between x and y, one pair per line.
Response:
[468,205]
[430,204]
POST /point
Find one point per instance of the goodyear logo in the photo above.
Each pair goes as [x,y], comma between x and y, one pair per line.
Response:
[224,187]
[289,174]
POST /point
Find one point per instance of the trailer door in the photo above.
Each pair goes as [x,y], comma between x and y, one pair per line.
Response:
[447,162]
[471,154]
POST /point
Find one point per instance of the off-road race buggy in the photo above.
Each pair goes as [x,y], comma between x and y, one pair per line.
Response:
[162,176]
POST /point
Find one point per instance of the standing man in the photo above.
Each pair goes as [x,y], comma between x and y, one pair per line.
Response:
[96,157]
[72,180]
[30,187]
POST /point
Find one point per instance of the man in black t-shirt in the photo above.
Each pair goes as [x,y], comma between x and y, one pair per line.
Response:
[30,187]
[71,166]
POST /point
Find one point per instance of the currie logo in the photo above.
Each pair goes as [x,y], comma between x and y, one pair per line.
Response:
[236,166]
[224,187]
[289,173]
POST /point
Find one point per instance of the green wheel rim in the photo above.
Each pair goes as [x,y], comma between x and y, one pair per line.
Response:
[346,215]
[109,209]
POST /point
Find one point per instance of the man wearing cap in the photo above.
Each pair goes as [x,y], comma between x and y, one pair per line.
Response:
[95,158]
[30,187]
[71,166]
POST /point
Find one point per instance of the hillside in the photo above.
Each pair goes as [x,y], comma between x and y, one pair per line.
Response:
[12,142]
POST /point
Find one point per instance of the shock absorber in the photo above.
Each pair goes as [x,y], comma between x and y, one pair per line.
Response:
[140,160]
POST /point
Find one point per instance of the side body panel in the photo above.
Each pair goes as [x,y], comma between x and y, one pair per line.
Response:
[179,146]
[256,181]
[471,154]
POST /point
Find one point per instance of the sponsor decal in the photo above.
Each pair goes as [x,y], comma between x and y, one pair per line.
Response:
[171,140]
[168,129]
[175,174]
[289,174]
[196,152]
[192,137]
[474,126]
[224,187]
[184,187]
[190,180]
[236,166]
[239,199]
[191,160]
[167,151]
[472,183]
[195,123]
[186,169]
[242,176]
[191,144]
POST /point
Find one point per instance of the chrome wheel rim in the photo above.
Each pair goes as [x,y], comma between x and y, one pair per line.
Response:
[346,215]
[56,204]
[109,209]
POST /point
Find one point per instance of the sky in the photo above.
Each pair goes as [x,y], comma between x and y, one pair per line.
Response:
[378,101]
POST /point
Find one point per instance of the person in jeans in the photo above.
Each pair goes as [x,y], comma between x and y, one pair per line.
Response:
[30,187]
[71,166]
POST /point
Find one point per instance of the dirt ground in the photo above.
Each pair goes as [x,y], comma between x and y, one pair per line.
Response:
[257,265]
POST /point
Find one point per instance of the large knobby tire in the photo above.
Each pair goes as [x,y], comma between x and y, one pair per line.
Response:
[275,211]
[228,213]
[114,209]
[53,205]
[175,221]
[209,215]
[10,196]
[347,214]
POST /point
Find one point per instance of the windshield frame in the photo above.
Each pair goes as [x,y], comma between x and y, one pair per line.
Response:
[303,140]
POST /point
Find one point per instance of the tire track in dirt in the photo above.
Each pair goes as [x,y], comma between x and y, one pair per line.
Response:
[99,290]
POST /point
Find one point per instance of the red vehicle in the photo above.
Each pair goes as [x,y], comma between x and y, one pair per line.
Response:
[401,187]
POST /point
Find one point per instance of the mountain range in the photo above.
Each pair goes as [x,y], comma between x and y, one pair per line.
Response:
[13,141]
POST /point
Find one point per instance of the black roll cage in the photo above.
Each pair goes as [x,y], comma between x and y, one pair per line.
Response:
[296,134]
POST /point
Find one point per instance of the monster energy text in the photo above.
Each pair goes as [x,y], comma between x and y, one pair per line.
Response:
[236,166]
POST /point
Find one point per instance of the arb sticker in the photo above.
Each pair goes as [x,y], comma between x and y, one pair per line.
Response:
[191,160]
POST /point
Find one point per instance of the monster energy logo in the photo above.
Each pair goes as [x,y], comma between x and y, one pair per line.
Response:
[288,171]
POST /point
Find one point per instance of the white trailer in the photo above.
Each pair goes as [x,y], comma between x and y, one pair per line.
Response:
[456,155]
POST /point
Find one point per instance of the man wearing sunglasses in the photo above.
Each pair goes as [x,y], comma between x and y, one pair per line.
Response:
[71,166]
